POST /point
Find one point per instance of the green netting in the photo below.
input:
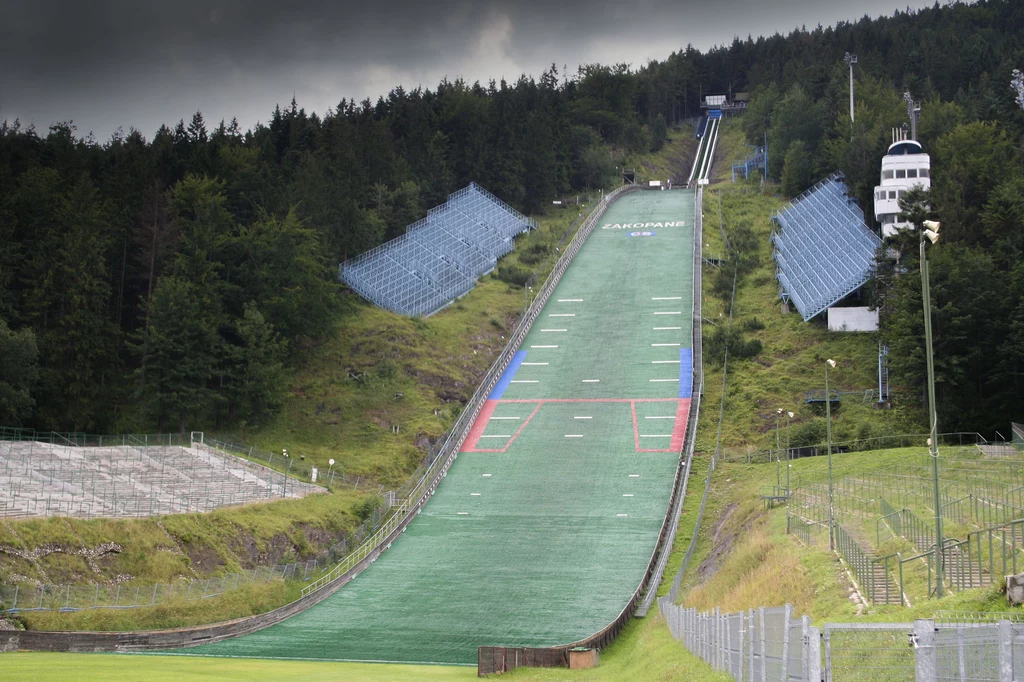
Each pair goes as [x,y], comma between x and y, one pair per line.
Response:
[543,540]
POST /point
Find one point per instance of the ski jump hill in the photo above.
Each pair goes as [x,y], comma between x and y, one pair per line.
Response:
[545,526]
[547,521]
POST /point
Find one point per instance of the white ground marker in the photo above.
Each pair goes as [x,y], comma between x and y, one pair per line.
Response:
[634,475]
[627,494]
[474,494]
[535,364]
[677,312]
[661,329]
[570,300]
[554,330]
[582,417]
[509,436]
[462,513]
[664,362]
[655,381]
[506,418]
[664,344]
[591,381]
[622,515]
[543,346]
[667,298]
[672,417]
[561,314]
[574,435]
[524,381]
[655,435]
[486,475]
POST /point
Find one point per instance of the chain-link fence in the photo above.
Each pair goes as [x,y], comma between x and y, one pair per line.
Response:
[761,644]
[770,645]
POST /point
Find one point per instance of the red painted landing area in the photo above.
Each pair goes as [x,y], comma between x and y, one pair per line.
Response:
[678,430]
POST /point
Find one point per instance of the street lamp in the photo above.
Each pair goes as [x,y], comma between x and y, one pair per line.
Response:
[930,231]
[331,463]
[828,437]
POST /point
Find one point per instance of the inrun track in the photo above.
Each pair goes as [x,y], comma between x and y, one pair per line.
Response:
[547,520]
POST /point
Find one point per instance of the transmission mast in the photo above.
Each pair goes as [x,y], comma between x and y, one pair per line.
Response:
[914,112]
[850,60]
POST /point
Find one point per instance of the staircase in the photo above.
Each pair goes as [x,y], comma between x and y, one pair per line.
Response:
[872,572]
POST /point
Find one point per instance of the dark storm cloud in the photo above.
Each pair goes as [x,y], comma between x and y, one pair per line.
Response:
[113,63]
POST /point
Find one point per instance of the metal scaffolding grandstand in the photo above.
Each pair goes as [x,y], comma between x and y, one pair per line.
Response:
[823,249]
[440,257]
[131,477]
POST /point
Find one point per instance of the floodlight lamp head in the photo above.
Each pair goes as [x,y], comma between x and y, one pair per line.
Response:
[933,225]
[933,236]
[831,363]
[791,415]
[331,462]
[779,410]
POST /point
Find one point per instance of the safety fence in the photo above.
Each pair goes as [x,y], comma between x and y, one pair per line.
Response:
[765,644]
[686,459]
[713,462]
[770,645]
[893,506]
[68,598]
[959,439]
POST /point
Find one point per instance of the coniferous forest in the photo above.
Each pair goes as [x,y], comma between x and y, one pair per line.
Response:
[158,283]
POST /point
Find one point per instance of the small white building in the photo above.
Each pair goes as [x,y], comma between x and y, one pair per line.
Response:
[904,166]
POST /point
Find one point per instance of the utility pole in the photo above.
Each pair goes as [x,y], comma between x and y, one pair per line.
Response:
[931,233]
[850,60]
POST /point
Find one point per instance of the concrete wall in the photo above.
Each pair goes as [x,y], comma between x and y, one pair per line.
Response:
[852,320]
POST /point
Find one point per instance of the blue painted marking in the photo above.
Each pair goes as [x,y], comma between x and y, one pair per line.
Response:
[508,375]
[685,372]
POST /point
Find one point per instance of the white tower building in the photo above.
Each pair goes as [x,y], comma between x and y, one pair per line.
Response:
[904,166]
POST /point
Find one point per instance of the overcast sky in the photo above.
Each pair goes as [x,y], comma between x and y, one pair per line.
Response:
[119,63]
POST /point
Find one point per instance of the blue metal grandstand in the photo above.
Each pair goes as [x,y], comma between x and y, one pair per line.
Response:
[823,249]
[440,257]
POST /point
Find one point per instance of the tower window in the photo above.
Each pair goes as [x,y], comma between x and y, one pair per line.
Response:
[901,173]
[911,172]
[887,175]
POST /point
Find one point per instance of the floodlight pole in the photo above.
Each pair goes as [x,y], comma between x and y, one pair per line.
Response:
[778,450]
[828,438]
[850,60]
[789,416]
[933,440]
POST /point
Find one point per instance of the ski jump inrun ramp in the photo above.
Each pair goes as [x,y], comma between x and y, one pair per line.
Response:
[547,520]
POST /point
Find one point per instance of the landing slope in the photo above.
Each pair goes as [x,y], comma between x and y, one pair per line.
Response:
[545,523]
